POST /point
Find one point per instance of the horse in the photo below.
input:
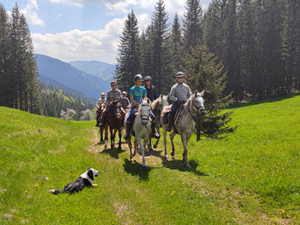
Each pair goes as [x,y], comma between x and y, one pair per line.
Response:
[114,120]
[184,123]
[141,127]
[156,108]
[100,111]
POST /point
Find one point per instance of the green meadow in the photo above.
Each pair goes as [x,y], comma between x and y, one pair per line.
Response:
[252,176]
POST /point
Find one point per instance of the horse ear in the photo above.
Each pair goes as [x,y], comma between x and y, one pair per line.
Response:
[148,101]
[161,96]
[196,92]
[202,93]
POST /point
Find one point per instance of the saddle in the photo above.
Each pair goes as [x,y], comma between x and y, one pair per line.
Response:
[165,114]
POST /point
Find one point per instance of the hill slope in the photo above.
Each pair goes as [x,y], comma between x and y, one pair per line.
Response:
[67,75]
[96,68]
[251,177]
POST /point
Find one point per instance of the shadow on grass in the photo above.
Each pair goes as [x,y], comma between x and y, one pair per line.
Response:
[180,165]
[114,153]
[136,169]
[267,100]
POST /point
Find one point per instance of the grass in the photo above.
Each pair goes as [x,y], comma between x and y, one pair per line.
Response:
[251,177]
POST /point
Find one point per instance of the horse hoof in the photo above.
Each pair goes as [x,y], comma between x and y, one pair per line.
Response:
[155,146]
[151,149]
[172,154]
[166,158]
[119,148]
[188,165]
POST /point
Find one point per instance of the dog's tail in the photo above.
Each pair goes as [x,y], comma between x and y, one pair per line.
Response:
[56,192]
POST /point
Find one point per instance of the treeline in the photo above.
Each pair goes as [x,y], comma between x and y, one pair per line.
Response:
[256,41]
[54,100]
[19,86]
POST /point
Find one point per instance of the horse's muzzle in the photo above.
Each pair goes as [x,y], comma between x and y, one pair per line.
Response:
[202,112]
[144,122]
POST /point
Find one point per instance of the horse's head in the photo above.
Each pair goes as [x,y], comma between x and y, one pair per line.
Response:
[115,108]
[163,100]
[198,103]
[144,111]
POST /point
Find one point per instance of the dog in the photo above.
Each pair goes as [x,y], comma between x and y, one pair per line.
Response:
[84,180]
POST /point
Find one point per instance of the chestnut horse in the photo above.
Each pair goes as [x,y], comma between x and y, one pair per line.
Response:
[100,111]
[114,120]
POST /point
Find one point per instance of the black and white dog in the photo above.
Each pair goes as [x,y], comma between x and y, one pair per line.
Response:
[84,180]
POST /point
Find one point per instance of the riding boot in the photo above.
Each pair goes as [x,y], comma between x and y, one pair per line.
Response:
[128,131]
[171,121]
[154,134]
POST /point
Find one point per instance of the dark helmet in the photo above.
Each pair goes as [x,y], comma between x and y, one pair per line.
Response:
[179,74]
[148,78]
[138,77]
[113,82]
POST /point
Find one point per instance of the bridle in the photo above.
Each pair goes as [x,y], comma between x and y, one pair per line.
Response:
[195,115]
[144,116]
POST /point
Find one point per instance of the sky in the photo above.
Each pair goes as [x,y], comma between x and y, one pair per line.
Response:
[84,30]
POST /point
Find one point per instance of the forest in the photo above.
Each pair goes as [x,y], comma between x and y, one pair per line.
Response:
[249,49]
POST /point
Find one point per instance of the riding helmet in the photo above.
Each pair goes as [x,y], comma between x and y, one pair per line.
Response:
[138,77]
[179,74]
[148,78]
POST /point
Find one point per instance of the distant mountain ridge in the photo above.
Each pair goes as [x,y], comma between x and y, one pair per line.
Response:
[99,69]
[51,69]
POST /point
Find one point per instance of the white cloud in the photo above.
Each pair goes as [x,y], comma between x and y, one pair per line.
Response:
[78,3]
[31,15]
[81,45]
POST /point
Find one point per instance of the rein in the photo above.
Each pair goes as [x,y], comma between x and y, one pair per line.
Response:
[193,114]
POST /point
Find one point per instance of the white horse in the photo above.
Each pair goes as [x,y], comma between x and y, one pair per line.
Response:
[185,124]
[142,128]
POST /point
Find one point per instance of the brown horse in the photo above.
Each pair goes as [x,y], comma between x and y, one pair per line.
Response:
[100,111]
[156,108]
[114,120]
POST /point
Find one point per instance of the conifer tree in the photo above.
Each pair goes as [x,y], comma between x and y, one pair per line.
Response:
[192,24]
[161,54]
[128,58]
[176,44]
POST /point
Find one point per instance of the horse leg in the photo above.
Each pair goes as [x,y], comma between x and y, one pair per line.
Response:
[157,140]
[150,145]
[112,138]
[184,140]
[120,138]
[172,142]
[101,136]
[165,141]
[142,150]
[135,146]
[106,136]
[130,149]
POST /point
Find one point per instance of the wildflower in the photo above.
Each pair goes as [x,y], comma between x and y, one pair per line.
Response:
[36,185]
[26,191]
[183,183]
[244,175]
[220,174]
[88,198]
[73,175]
[173,192]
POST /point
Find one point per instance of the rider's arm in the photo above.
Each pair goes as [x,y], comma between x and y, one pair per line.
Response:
[172,94]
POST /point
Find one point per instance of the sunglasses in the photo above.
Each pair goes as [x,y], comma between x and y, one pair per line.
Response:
[179,77]
[113,85]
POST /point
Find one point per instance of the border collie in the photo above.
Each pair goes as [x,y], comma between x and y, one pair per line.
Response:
[84,180]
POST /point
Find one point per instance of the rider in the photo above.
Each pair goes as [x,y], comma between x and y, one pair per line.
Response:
[98,104]
[151,91]
[179,93]
[112,95]
[125,101]
[137,93]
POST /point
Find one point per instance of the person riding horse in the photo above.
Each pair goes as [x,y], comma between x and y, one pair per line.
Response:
[179,93]
[112,95]
[137,93]
[151,91]
[98,105]
[125,101]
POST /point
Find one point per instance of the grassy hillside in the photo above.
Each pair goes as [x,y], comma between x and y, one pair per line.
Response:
[251,177]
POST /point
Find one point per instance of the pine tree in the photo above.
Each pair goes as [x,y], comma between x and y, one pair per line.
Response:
[192,24]
[203,73]
[6,94]
[161,54]
[128,57]
[176,44]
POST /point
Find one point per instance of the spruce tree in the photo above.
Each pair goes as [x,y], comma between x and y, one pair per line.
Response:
[176,44]
[203,73]
[192,24]
[128,57]
[162,70]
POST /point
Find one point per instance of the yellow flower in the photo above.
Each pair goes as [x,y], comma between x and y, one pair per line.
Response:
[183,183]
[36,185]
[244,175]
[26,191]
[173,192]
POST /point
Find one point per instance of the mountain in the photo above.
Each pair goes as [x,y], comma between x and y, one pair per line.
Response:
[54,70]
[96,68]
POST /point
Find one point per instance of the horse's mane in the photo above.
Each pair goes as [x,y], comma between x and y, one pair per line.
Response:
[155,104]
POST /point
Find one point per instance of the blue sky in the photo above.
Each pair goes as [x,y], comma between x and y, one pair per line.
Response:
[86,29]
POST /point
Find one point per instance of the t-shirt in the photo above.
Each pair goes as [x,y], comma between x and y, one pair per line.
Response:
[138,93]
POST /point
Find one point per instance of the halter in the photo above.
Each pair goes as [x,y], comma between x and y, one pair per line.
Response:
[143,116]
[193,114]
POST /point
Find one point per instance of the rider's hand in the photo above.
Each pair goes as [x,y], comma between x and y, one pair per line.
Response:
[179,102]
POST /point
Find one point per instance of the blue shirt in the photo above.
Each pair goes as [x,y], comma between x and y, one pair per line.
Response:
[138,93]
